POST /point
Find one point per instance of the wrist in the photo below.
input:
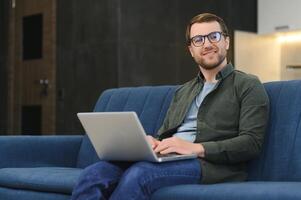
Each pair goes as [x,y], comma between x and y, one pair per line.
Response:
[200,150]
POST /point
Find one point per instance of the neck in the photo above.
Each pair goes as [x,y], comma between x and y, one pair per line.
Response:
[210,74]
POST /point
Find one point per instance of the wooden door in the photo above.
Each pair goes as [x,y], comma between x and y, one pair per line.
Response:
[32,67]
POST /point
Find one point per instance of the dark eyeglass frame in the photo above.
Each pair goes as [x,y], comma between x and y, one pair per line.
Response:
[220,34]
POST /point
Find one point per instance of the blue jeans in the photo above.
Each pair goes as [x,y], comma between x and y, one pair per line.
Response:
[133,181]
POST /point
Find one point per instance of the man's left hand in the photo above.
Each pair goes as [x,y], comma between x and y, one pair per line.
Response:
[180,146]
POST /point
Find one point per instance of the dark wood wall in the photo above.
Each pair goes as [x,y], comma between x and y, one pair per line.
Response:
[3,67]
[87,59]
[152,45]
[115,43]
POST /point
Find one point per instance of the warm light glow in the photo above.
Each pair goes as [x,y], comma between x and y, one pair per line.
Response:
[288,38]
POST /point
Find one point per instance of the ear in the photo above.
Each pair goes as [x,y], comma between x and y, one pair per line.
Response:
[227,40]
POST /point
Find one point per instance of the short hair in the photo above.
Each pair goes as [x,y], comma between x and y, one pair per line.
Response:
[205,17]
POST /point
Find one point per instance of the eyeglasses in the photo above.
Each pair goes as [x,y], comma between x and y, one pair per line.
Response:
[213,37]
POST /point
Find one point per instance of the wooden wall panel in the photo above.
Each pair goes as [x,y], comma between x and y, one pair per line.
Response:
[3,64]
[115,43]
[24,75]
[87,57]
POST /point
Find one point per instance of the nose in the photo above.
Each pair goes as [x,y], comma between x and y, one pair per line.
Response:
[206,42]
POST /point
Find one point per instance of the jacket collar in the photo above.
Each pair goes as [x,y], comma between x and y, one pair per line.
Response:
[227,70]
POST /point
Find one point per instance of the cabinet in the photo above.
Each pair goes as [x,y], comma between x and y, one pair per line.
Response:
[278,16]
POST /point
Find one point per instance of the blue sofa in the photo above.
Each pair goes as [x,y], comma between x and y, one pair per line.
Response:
[47,167]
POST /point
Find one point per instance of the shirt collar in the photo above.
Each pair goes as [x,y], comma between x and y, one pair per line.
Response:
[227,70]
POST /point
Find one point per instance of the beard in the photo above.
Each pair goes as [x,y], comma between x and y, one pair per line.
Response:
[211,63]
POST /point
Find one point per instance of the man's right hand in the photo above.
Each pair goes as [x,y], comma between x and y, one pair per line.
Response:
[152,141]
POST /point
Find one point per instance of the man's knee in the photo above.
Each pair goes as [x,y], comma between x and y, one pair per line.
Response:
[100,169]
[139,170]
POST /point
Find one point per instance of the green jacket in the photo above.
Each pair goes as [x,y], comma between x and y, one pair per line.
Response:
[231,122]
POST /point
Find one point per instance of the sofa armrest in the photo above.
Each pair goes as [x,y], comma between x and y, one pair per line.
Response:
[39,151]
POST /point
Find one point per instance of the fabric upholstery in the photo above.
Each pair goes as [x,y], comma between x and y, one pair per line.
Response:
[45,168]
[55,179]
[280,159]
[150,104]
[37,151]
[87,154]
[232,191]
[18,194]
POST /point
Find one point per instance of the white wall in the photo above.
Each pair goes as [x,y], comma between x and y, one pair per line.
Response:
[258,55]
[290,55]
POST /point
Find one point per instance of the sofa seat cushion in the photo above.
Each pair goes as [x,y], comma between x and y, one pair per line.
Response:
[232,191]
[43,179]
[18,194]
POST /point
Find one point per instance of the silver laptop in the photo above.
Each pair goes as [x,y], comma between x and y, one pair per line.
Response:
[120,136]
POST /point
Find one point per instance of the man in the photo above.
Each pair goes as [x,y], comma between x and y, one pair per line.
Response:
[220,115]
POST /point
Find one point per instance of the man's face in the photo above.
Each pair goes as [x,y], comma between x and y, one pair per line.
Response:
[209,55]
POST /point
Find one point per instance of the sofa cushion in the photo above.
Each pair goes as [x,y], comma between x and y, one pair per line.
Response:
[87,155]
[18,194]
[230,191]
[280,159]
[44,179]
[150,104]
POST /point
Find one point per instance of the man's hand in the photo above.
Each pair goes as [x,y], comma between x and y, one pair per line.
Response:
[180,146]
[152,141]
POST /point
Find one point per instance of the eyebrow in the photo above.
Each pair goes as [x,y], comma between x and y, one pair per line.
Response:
[206,34]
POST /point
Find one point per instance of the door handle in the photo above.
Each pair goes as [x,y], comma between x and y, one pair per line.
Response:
[44,86]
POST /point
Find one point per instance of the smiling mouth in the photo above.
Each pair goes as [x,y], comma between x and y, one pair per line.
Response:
[208,52]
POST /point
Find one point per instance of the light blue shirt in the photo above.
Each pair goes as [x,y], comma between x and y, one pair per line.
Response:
[187,131]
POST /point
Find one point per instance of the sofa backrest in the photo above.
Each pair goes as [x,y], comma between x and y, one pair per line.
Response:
[150,104]
[280,159]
